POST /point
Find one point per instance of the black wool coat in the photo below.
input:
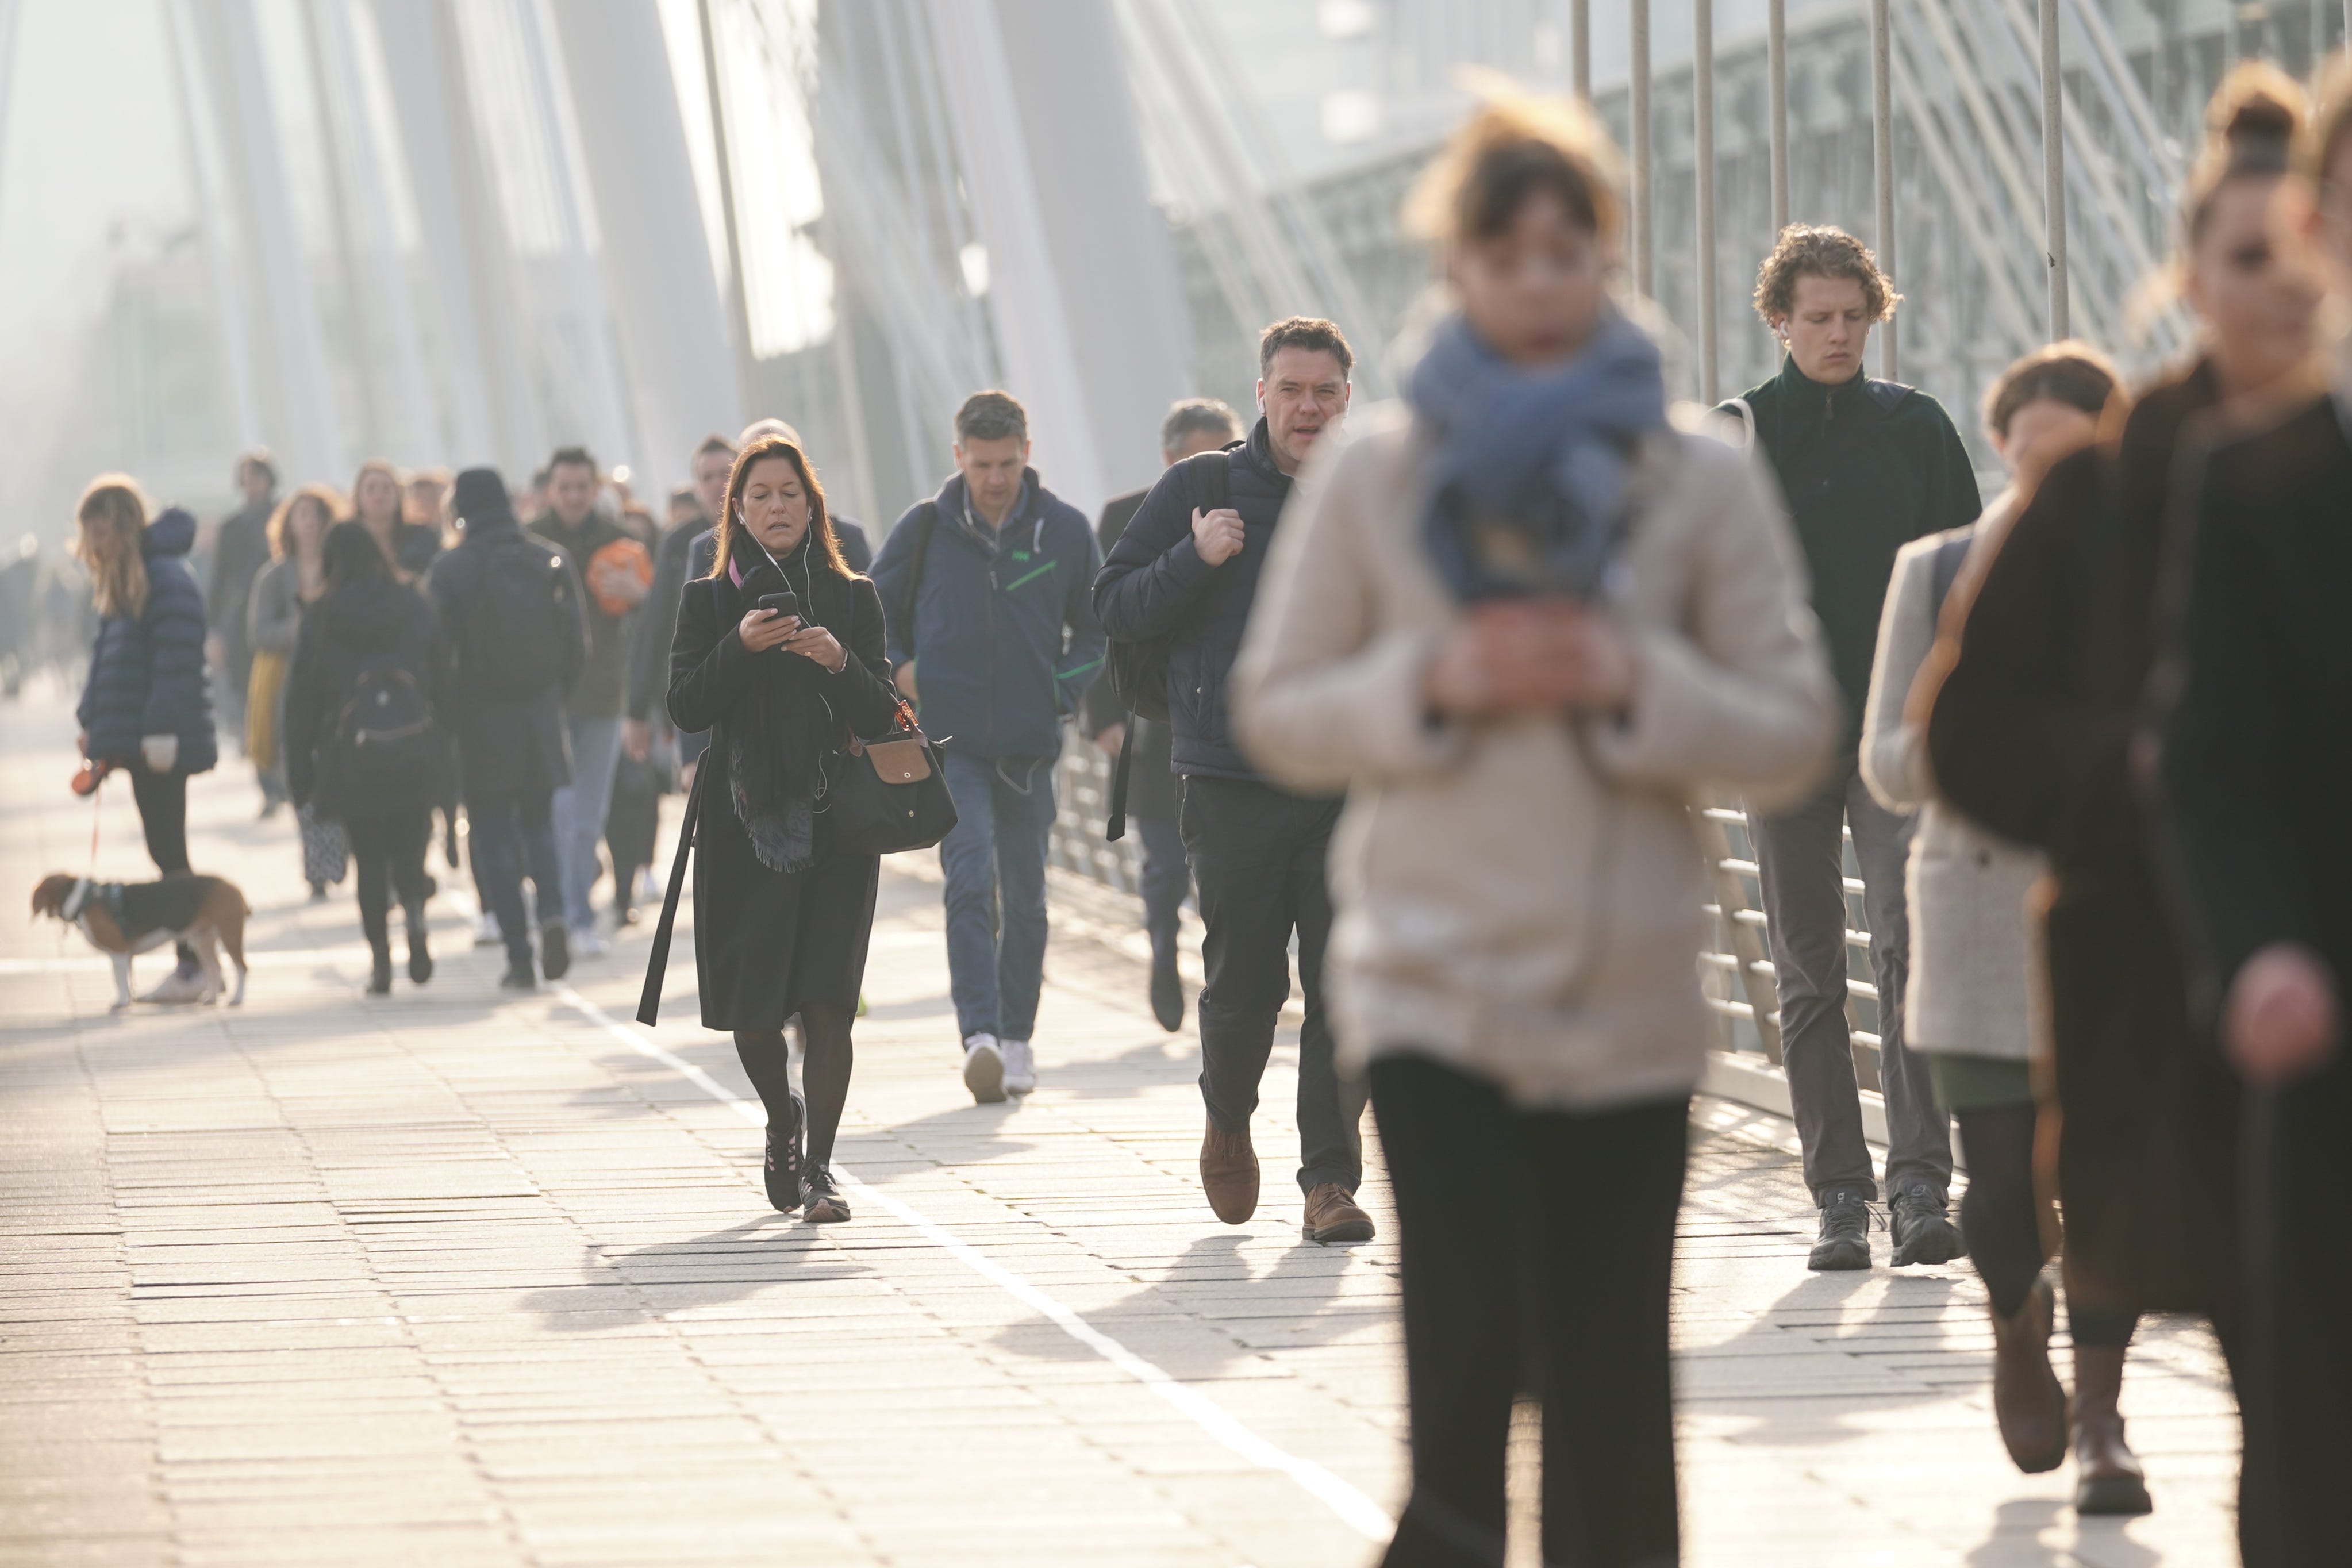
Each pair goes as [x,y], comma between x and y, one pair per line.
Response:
[376,625]
[506,746]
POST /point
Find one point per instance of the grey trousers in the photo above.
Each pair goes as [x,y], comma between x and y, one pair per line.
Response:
[1800,862]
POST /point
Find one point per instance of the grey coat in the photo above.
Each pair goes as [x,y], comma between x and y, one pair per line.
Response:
[1972,985]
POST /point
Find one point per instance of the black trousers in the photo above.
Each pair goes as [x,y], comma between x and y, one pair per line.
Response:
[2298,1347]
[1258,856]
[388,852]
[163,800]
[1537,1248]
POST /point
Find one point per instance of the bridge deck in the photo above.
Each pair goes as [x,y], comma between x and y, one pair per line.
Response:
[462,1278]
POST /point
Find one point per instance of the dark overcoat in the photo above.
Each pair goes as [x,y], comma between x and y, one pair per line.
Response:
[2031,733]
[506,746]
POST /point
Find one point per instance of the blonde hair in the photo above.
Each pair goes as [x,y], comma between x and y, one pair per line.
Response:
[281,521]
[399,491]
[1513,147]
[113,519]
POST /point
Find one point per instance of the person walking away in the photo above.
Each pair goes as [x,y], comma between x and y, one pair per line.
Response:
[1865,467]
[146,705]
[365,743]
[380,507]
[295,580]
[1967,1008]
[510,615]
[1523,628]
[1194,425]
[656,624]
[988,584]
[2252,747]
[2031,733]
[593,713]
[1186,573]
[633,821]
[782,915]
[240,549]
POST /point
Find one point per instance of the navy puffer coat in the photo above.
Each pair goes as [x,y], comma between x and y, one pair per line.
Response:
[147,672]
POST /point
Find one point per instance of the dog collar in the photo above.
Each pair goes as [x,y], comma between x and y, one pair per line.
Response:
[77,901]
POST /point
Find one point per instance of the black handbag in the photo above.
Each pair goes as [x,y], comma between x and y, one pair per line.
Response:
[889,794]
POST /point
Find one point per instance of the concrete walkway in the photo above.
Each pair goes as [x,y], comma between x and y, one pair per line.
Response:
[452,1278]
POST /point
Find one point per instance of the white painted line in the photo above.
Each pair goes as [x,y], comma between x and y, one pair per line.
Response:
[1358,1512]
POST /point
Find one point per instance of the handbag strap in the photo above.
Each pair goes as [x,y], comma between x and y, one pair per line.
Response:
[658,961]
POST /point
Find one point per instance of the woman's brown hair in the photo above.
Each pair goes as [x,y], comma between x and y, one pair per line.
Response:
[399,494]
[2254,128]
[280,530]
[731,516]
[1515,147]
[2072,372]
[2331,125]
[113,519]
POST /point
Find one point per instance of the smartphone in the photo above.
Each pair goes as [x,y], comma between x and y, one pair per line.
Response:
[784,603]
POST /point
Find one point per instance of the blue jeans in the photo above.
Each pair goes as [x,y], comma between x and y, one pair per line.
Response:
[512,836]
[580,809]
[995,866]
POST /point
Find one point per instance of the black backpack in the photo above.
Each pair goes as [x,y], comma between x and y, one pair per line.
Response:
[522,618]
[1139,670]
[387,741]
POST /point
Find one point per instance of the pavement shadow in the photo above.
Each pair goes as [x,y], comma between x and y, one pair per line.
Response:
[731,1264]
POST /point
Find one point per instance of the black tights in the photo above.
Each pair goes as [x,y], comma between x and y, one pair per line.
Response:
[824,1026]
[1538,1249]
[2002,1221]
[389,855]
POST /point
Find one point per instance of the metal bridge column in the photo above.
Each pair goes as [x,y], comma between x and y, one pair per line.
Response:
[2054,167]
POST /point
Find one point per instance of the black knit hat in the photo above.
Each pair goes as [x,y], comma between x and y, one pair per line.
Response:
[481,495]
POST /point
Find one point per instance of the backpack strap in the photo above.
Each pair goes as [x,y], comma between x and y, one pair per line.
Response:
[1212,476]
[927,522]
[1746,417]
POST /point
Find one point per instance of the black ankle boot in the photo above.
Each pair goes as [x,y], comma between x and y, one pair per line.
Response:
[380,980]
[420,955]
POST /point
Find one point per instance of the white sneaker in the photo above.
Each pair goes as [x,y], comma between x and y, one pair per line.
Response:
[180,987]
[984,1068]
[1020,1067]
[487,933]
[587,941]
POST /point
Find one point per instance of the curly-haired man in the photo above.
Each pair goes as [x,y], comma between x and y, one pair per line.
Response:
[1866,467]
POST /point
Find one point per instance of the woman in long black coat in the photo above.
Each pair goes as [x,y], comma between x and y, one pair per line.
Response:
[2031,733]
[781,917]
[364,739]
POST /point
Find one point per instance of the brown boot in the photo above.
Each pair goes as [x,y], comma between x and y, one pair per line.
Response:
[2028,1401]
[1229,1173]
[2108,1478]
[1332,1215]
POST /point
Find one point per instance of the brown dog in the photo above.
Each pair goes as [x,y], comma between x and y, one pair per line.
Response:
[122,919]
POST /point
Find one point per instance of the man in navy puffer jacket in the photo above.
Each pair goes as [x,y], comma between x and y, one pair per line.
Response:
[991,625]
[1188,574]
[147,707]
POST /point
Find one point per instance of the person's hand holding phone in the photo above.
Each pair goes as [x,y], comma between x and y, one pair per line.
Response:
[764,629]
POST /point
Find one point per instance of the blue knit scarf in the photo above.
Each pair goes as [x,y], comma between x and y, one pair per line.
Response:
[1527,468]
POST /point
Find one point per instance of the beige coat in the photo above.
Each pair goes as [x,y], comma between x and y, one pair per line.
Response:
[1970,987]
[1523,897]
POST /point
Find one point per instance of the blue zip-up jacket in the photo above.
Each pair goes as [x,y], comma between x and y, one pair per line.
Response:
[1155,584]
[147,672]
[1003,635]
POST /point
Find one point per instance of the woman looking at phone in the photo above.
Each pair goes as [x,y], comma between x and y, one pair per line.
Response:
[781,918]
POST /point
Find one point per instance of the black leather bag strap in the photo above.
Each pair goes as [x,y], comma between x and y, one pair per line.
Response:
[1116,828]
[658,961]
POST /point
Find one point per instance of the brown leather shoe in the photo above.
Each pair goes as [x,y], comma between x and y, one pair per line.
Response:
[2108,1478]
[1332,1215]
[1229,1173]
[2028,1401]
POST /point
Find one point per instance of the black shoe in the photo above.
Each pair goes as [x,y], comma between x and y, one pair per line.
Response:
[1167,996]
[821,1201]
[1845,1231]
[380,978]
[518,976]
[786,1160]
[420,955]
[1924,1233]
[554,950]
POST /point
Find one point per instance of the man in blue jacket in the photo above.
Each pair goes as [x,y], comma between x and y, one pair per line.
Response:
[992,629]
[1187,574]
